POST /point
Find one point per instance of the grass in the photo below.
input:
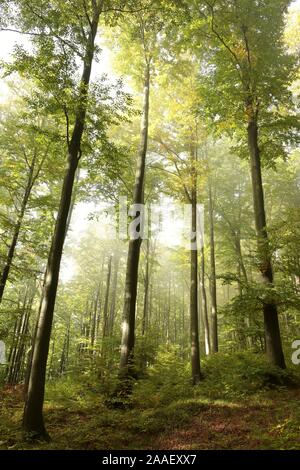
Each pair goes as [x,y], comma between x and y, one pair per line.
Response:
[241,404]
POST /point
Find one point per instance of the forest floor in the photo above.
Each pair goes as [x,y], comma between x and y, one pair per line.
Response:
[240,405]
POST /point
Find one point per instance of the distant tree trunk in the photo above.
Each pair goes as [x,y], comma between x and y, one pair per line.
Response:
[16,355]
[183,322]
[99,302]
[65,350]
[15,237]
[20,356]
[33,421]
[146,291]
[105,311]
[204,304]
[94,321]
[242,276]
[150,304]
[167,312]
[213,284]
[271,322]
[114,284]
[195,348]
[51,368]
[128,326]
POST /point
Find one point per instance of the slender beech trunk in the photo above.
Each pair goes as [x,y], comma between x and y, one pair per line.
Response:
[150,304]
[114,284]
[18,338]
[131,280]
[212,283]
[195,348]
[271,323]
[65,350]
[237,243]
[99,303]
[146,291]
[204,304]
[167,312]
[183,322]
[15,237]
[94,321]
[20,356]
[105,311]
[242,277]
[33,421]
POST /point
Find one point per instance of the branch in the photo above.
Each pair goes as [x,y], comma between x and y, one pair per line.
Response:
[217,34]
[67,124]
[25,156]
[45,35]
[176,166]
[183,183]
[86,13]
[34,178]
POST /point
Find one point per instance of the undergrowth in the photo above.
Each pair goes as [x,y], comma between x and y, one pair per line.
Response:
[78,414]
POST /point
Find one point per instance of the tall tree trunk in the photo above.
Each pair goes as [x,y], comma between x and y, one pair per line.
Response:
[105,311]
[146,291]
[168,312]
[65,350]
[99,303]
[33,421]
[204,304]
[114,284]
[213,284]
[131,280]
[30,353]
[271,322]
[195,348]
[183,322]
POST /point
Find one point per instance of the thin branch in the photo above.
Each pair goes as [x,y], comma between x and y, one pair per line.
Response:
[217,34]
[65,109]
[183,183]
[86,13]
[25,156]
[125,184]
[34,178]
[45,35]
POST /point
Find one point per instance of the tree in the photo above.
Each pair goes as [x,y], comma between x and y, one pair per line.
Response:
[213,286]
[76,35]
[26,143]
[246,47]
[141,33]
[179,142]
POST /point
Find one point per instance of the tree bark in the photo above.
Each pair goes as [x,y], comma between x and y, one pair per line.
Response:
[131,280]
[105,311]
[33,421]
[112,313]
[146,291]
[204,305]
[271,323]
[195,348]
[213,284]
